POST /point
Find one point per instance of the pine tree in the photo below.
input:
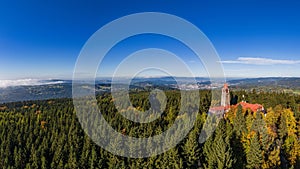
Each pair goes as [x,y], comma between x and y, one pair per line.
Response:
[72,161]
[171,159]
[239,124]
[191,150]
[238,151]
[44,163]
[254,156]
[218,151]
[209,158]
[223,150]
[283,127]
[93,159]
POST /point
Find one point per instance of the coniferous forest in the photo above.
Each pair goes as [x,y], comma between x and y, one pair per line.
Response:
[47,134]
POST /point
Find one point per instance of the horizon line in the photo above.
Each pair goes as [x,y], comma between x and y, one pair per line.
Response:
[147,77]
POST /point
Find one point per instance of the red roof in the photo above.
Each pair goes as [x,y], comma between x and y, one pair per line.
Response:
[252,107]
[225,85]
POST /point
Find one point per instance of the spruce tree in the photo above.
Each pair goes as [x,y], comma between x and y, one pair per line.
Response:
[218,152]
[191,150]
[239,124]
[254,155]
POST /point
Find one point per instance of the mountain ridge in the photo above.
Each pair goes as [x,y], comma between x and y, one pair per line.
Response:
[58,88]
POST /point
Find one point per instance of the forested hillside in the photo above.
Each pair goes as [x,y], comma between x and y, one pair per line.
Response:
[47,134]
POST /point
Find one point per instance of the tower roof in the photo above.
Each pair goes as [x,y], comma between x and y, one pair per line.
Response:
[225,85]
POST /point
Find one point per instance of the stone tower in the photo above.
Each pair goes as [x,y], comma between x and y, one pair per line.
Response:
[225,98]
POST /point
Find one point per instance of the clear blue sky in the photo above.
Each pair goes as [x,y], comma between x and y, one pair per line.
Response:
[254,38]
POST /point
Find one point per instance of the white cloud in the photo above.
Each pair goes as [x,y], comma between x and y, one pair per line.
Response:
[26,82]
[260,61]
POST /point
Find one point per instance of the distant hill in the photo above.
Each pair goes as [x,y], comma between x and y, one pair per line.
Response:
[48,89]
[269,82]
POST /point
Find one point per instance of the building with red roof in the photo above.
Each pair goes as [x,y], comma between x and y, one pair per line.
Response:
[252,107]
[225,104]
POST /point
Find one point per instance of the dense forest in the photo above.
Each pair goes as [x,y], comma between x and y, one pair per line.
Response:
[47,134]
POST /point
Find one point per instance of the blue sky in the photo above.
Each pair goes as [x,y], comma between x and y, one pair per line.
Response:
[253,38]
